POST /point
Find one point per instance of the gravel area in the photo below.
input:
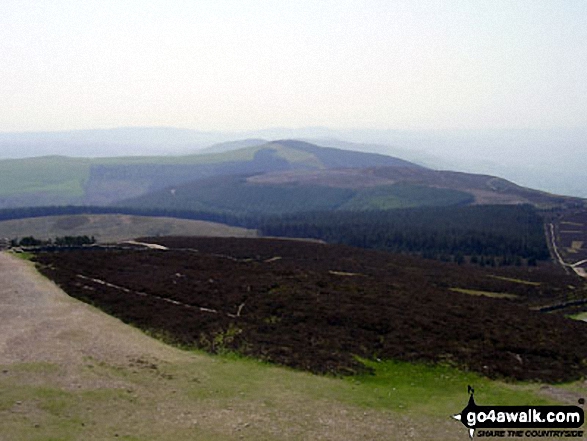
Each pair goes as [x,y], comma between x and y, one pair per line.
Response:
[40,323]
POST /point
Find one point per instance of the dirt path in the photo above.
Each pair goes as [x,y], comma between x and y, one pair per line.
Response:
[574,266]
[151,246]
[552,239]
[38,322]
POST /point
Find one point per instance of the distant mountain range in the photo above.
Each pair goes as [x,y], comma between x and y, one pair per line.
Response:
[271,177]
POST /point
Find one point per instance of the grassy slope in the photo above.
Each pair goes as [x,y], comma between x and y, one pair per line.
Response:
[64,174]
[67,175]
[224,398]
[25,181]
[52,174]
[405,195]
[111,228]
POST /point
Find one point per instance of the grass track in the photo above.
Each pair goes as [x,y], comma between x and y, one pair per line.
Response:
[495,295]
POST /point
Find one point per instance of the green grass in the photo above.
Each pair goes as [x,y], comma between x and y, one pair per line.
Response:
[24,256]
[395,386]
[580,316]
[141,402]
[430,390]
[297,156]
[405,196]
[51,174]
[34,412]
[520,281]
[474,292]
[246,154]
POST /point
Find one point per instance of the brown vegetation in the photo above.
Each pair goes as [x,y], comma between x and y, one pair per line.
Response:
[235,295]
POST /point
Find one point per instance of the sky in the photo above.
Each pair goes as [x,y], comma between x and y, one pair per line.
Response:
[234,65]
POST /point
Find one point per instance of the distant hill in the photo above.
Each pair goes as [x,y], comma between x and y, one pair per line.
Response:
[229,146]
[358,189]
[483,189]
[239,195]
[114,227]
[123,141]
[57,180]
[547,159]
[281,176]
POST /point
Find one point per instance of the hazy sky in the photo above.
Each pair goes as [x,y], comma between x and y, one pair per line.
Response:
[251,64]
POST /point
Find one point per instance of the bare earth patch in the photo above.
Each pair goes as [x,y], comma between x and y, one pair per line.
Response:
[114,227]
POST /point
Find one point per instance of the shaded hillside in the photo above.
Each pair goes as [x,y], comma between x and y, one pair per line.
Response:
[316,307]
[108,183]
[237,195]
[359,189]
[484,189]
[319,184]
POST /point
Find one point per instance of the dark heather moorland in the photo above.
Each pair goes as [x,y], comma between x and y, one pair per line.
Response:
[321,307]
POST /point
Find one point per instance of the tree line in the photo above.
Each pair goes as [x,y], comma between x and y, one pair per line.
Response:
[65,241]
[485,235]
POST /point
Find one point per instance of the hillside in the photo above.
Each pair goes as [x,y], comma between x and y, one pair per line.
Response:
[354,189]
[56,180]
[256,176]
[317,307]
[114,227]
[235,194]
[485,189]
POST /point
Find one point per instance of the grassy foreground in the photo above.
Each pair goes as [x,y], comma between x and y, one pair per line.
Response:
[227,397]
